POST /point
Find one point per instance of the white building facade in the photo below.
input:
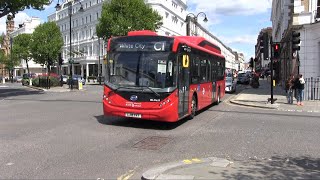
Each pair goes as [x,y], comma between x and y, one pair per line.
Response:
[87,50]
[173,14]
[27,27]
[227,52]
[297,16]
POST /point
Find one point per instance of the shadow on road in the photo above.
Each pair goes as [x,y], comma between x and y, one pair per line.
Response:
[277,168]
[12,92]
[139,123]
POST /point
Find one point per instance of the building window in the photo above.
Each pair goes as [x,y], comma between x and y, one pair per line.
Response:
[97,15]
[90,18]
[90,4]
[318,9]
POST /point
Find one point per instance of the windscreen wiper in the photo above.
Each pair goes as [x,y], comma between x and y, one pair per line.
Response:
[157,94]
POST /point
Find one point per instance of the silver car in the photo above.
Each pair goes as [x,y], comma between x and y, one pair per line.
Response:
[231,85]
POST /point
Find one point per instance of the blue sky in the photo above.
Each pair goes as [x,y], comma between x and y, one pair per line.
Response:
[235,22]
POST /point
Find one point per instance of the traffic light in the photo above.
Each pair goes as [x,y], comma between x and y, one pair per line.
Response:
[261,44]
[276,50]
[251,62]
[295,41]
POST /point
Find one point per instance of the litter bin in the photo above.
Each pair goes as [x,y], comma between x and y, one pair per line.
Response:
[75,84]
[79,85]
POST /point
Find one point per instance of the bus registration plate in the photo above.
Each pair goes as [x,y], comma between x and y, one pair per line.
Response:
[133,115]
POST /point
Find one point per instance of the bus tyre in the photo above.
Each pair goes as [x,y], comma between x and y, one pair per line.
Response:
[218,98]
[193,107]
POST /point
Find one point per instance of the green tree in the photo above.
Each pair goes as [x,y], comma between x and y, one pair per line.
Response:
[46,44]
[22,47]
[1,38]
[14,6]
[10,61]
[120,16]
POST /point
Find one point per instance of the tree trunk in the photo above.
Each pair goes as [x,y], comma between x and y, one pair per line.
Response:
[27,67]
[48,77]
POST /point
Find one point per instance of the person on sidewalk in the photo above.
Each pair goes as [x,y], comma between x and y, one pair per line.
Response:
[289,89]
[300,90]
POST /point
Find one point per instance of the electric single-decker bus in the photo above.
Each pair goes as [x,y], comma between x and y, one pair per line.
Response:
[161,78]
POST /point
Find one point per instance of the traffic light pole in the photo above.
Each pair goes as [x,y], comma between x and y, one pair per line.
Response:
[271,74]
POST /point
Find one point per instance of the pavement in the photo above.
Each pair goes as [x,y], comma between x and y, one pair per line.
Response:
[258,98]
[220,168]
[64,88]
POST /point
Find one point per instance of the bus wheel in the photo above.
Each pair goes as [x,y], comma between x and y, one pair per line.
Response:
[193,107]
[218,98]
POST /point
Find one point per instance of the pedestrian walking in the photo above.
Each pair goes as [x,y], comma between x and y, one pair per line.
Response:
[300,90]
[289,89]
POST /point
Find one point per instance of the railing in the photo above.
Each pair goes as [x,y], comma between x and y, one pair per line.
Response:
[312,88]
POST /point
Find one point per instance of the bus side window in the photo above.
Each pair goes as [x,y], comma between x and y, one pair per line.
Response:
[195,78]
[203,71]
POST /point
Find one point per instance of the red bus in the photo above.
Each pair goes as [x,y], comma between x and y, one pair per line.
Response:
[161,78]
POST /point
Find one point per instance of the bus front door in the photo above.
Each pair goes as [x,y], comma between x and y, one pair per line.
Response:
[183,84]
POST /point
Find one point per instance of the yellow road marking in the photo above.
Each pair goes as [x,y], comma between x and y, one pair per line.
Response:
[187,161]
[126,176]
[196,160]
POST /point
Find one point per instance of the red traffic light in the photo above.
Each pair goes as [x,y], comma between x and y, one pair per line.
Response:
[276,50]
[276,47]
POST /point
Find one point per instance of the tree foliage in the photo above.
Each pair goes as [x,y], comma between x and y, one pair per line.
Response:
[10,61]
[1,38]
[14,6]
[21,47]
[46,43]
[120,16]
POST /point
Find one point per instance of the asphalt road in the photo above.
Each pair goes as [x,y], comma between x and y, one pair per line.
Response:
[45,135]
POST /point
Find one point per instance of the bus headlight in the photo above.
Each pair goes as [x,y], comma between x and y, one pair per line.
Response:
[164,102]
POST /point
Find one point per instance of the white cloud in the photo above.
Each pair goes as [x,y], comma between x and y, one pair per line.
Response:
[19,18]
[242,39]
[230,7]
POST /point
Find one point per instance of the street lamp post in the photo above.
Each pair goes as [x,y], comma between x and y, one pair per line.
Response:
[58,7]
[99,69]
[194,18]
[70,47]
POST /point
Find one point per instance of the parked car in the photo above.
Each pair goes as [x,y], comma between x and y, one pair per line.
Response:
[243,78]
[231,85]
[18,79]
[76,77]
[64,79]
[26,78]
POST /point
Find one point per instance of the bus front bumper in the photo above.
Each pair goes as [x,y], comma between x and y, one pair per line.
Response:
[168,113]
